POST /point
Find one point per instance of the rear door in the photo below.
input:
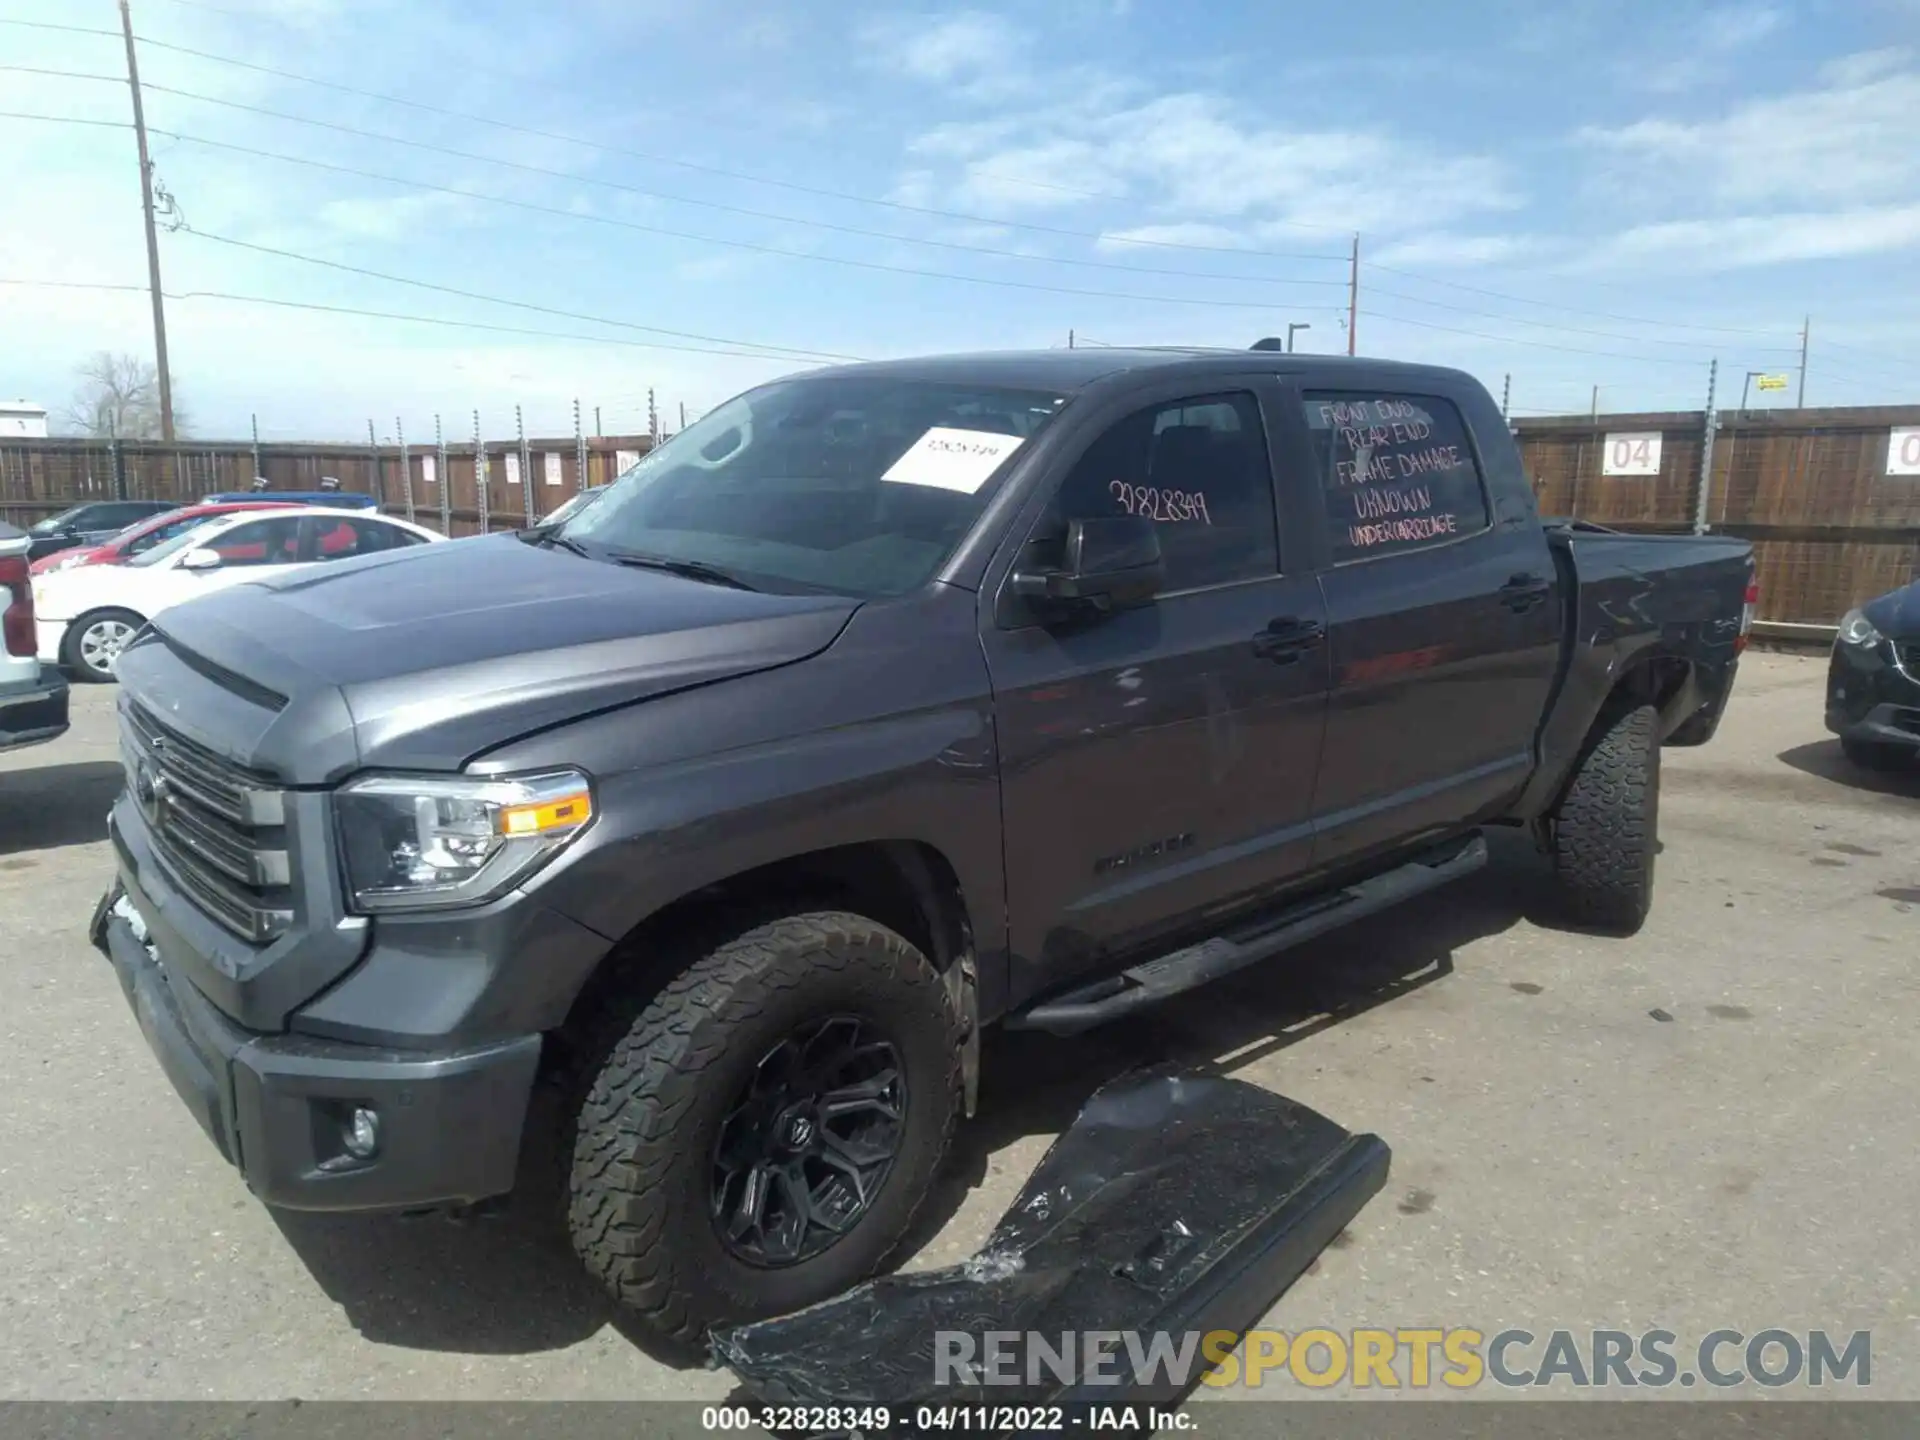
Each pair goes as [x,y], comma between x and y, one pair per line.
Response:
[1157,764]
[1443,611]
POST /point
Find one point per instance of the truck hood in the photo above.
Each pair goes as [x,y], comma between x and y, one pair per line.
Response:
[424,658]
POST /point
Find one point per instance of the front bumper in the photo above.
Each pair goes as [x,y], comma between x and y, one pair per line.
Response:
[34,713]
[279,1106]
[1873,695]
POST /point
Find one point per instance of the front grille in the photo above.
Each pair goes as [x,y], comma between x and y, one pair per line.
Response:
[1910,657]
[219,830]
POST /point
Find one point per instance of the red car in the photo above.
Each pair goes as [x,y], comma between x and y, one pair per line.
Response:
[137,539]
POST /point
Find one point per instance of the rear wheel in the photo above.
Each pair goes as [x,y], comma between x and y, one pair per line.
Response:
[1606,827]
[759,1136]
[94,642]
[1877,754]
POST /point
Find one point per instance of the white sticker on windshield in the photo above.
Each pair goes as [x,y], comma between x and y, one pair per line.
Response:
[948,459]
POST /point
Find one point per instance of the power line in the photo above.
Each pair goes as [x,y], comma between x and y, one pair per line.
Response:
[1567,309]
[188,295]
[1552,325]
[66,120]
[502,300]
[656,159]
[748,245]
[1532,344]
[682,234]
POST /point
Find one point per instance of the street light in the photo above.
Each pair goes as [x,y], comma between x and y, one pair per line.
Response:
[1293,325]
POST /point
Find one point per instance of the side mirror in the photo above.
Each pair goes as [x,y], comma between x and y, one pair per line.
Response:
[201,559]
[1111,562]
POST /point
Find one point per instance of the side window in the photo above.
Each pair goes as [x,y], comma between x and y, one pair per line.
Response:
[160,534]
[373,537]
[1397,472]
[1198,469]
[264,542]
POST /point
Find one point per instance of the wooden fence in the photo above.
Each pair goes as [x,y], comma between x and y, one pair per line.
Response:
[1810,488]
[439,489]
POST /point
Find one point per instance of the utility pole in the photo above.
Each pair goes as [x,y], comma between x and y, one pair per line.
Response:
[1070,339]
[1805,328]
[1506,393]
[1353,295]
[1710,427]
[153,239]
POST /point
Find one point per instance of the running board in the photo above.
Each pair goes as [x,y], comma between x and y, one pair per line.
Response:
[1159,979]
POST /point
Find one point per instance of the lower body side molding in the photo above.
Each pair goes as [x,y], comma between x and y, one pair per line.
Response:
[1158,979]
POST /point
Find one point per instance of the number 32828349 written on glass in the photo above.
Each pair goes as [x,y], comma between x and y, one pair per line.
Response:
[1164,506]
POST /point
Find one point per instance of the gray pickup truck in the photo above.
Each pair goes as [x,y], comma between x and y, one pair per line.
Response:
[883,704]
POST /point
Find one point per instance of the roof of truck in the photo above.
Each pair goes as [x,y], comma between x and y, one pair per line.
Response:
[1064,371]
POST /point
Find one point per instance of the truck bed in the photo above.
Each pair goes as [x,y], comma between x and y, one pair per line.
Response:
[1675,599]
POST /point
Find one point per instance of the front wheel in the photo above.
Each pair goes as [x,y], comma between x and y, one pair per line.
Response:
[1606,828]
[94,642]
[759,1137]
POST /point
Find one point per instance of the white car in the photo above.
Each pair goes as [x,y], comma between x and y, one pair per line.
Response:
[85,615]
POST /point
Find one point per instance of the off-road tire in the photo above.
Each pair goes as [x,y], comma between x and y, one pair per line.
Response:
[70,656]
[1877,755]
[658,1084]
[1605,829]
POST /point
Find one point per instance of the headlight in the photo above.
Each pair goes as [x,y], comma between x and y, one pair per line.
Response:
[416,842]
[1856,629]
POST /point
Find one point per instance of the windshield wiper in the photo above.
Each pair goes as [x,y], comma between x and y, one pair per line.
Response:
[689,569]
[542,535]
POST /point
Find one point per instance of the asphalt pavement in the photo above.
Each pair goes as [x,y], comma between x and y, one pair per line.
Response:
[1709,1126]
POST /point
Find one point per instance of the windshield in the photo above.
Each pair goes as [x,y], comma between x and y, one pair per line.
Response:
[185,540]
[570,508]
[54,523]
[853,484]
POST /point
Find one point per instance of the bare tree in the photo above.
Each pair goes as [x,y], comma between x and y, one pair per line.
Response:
[119,395]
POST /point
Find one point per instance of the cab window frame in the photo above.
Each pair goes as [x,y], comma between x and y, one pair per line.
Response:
[1292,552]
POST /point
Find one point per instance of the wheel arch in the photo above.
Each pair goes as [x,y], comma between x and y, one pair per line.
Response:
[910,886]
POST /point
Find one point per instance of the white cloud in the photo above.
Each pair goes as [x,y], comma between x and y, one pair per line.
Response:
[1850,141]
[1866,66]
[1189,232]
[1740,241]
[362,218]
[1442,249]
[969,51]
[1192,158]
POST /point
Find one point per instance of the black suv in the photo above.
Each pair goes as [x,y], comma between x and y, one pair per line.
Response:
[90,524]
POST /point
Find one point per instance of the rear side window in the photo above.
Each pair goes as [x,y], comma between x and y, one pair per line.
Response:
[160,534]
[1396,472]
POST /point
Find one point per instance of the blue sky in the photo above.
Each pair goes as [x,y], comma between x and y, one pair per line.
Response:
[1573,194]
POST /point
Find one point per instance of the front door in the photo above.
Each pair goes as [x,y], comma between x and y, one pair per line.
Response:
[1157,764]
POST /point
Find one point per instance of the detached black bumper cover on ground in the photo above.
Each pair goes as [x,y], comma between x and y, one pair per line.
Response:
[1175,1203]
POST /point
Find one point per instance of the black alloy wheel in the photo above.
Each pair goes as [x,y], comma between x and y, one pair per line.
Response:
[808,1143]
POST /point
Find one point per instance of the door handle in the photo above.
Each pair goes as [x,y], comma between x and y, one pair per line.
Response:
[1285,641]
[1523,592]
